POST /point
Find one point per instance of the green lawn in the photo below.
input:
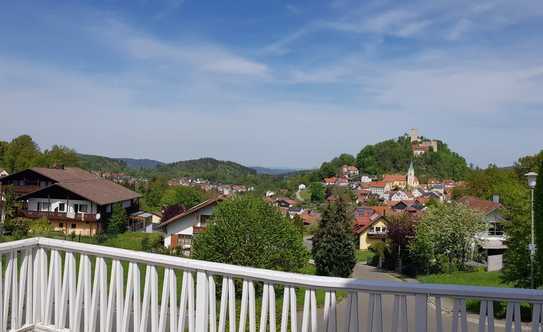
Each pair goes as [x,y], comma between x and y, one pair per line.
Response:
[478,278]
[363,255]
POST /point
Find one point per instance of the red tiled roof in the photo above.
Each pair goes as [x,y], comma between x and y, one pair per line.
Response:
[394,178]
[479,204]
[379,184]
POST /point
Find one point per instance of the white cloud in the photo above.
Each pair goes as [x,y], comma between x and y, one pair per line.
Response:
[207,57]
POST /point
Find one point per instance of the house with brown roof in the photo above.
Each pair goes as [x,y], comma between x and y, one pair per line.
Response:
[491,214]
[369,227]
[72,199]
[493,240]
[180,229]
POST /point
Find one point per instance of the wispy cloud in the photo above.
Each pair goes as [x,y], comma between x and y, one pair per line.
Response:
[203,56]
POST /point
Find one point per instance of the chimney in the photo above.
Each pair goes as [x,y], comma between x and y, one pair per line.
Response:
[496,198]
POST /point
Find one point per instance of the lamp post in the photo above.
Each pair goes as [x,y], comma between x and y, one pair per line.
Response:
[532,178]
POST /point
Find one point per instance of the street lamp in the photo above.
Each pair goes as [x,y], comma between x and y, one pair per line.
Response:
[532,179]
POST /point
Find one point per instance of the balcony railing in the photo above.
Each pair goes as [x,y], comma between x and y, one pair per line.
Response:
[52,285]
[59,216]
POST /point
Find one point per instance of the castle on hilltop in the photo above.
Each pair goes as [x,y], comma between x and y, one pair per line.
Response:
[419,145]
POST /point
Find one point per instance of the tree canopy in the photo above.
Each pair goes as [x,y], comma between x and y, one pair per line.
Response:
[247,231]
[446,237]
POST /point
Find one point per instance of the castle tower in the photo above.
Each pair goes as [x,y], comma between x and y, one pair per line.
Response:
[414,135]
[412,181]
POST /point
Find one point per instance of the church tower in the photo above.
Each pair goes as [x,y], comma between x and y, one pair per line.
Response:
[412,181]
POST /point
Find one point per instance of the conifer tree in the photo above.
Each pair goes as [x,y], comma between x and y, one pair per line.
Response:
[333,246]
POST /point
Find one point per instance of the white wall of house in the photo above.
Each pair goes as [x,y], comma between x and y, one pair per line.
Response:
[55,203]
[185,225]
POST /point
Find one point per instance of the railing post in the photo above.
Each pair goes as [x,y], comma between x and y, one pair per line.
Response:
[421,313]
[202,298]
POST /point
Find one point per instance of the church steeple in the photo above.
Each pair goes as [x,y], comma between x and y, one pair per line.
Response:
[411,179]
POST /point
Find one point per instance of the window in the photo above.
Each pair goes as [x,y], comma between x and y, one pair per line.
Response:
[74,226]
[62,207]
[61,225]
[43,206]
[204,220]
[83,208]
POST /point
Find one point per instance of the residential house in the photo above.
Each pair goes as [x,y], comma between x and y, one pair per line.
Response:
[369,227]
[493,240]
[342,182]
[377,188]
[310,217]
[394,181]
[331,181]
[3,173]
[348,171]
[365,179]
[295,210]
[180,229]
[141,221]
[73,200]
[285,202]
[398,195]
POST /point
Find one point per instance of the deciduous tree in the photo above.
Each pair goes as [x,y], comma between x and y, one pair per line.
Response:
[247,231]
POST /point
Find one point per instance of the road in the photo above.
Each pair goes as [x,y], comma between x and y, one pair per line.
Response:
[366,272]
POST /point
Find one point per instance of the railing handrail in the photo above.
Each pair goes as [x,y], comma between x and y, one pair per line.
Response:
[279,277]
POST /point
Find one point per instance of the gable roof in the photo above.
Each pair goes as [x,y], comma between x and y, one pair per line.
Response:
[84,184]
[192,210]
[482,205]
[394,178]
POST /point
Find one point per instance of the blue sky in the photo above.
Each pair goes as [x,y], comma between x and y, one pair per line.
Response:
[272,83]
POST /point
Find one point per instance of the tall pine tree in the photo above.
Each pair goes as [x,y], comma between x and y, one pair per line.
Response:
[333,246]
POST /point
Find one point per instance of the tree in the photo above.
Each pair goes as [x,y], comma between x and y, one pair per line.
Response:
[538,218]
[333,246]
[60,155]
[153,194]
[318,192]
[247,231]
[21,153]
[10,203]
[446,237]
[118,221]
[171,211]
[400,232]
[516,259]
[186,196]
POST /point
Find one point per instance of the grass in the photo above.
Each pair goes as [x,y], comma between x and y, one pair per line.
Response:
[363,255]
[477,278]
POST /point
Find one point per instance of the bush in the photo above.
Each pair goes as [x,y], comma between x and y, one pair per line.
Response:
[18,227]
[247,231]
[40,227]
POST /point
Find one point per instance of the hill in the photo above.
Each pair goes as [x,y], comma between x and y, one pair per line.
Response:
[101,163]
[207,168]
[273,171]
[140,163]
[394,156]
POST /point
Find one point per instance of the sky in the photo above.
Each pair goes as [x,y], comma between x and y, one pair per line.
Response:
[272,83]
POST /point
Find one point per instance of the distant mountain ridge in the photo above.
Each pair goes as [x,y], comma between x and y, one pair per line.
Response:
[207,168]
[274,171]
[144,163]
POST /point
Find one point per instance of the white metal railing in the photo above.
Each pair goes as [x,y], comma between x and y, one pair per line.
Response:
[53,285]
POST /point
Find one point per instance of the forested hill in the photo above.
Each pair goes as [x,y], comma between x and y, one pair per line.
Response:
[207,168]
[145,163]
[394,156]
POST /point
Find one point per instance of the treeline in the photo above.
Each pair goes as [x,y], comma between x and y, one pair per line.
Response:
[22,152]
